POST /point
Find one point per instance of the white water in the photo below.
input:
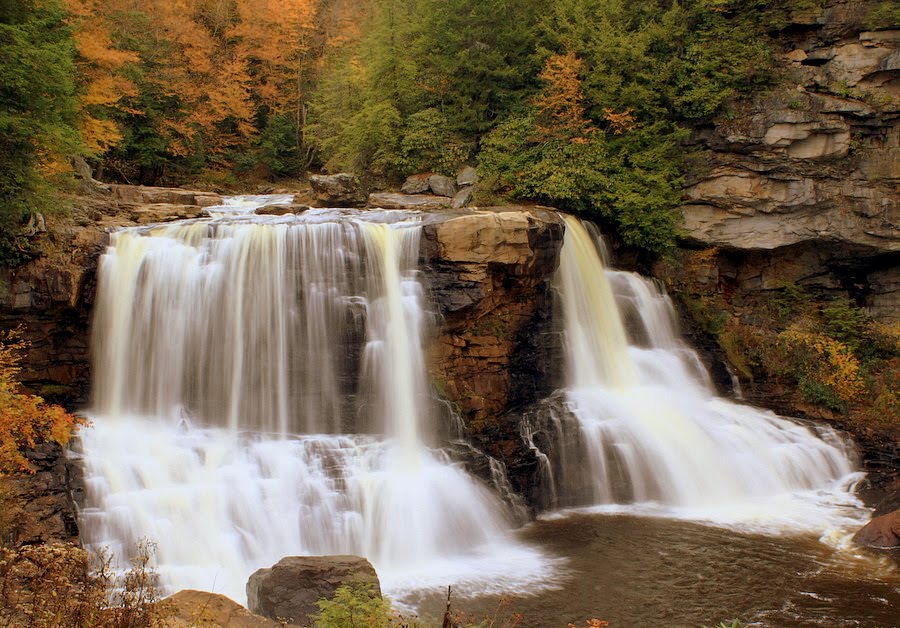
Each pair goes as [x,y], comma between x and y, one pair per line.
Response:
[260,392]
[639,423]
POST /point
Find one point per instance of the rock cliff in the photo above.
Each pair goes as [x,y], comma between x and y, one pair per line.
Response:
[803,183]
[792,205]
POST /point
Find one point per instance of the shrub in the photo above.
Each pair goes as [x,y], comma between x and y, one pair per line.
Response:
[60,585]
[356,606]
[845,322]
[25,419]
[427,145]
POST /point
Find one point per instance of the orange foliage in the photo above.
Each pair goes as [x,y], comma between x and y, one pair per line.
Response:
[220,61]
[106,90]
[561,110]
[25,419]
[619,122]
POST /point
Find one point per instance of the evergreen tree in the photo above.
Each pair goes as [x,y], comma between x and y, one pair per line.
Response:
[37,111]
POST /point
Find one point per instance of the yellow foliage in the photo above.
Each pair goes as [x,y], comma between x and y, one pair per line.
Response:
[836,365]
[25,419]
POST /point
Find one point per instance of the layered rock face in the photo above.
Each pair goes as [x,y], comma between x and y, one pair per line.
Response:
[489,272]
[807,179]
[799,190]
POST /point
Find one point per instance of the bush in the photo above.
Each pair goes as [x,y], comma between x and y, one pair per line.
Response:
[25,419]
[427,145]
[356,606]
[60,585]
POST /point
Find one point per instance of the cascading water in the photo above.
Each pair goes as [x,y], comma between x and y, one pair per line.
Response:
[639,423]
[260,391]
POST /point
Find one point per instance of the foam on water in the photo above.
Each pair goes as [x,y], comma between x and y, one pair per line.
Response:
[639,428]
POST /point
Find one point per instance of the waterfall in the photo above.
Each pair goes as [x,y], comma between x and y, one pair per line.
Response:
[638,421]
[260,391]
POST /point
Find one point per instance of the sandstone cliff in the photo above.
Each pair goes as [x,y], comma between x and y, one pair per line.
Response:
[803,184]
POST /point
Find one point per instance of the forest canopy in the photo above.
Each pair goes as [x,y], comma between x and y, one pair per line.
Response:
[582,104]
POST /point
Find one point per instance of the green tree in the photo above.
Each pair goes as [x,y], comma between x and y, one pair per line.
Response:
[37,112]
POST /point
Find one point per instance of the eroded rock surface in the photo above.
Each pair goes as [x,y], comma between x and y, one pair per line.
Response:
[391,200]
[489,272]
[817,160]
[189,608]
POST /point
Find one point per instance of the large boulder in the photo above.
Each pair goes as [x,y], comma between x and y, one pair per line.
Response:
[442,186]
[164,212]
[881,532]
[189,608]
[143,195]
[390,200]
[289,590]
[338,190]
[462,198]
[496,237]
[416,184]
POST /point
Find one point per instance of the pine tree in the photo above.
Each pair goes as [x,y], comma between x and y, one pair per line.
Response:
[37,111]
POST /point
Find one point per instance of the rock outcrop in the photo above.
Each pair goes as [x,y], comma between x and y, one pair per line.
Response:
[489,272]
[391,200]
[338,190]
[288,591]
[434,186]
[37,508]
[809,174]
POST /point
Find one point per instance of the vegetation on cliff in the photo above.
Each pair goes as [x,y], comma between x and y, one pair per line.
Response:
[24,418]
[816,352]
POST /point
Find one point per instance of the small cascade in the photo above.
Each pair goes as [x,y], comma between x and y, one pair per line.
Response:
[260,391]
[638,421]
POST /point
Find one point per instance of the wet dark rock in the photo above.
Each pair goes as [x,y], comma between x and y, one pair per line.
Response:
[881,532]
[38,507]
[281,210]
[289,589]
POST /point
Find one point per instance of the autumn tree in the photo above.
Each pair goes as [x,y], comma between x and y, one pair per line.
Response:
[105,90]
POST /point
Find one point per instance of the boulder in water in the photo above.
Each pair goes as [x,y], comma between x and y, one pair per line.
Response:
[290,589]
[881,532]
[189,608]
[338,190]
